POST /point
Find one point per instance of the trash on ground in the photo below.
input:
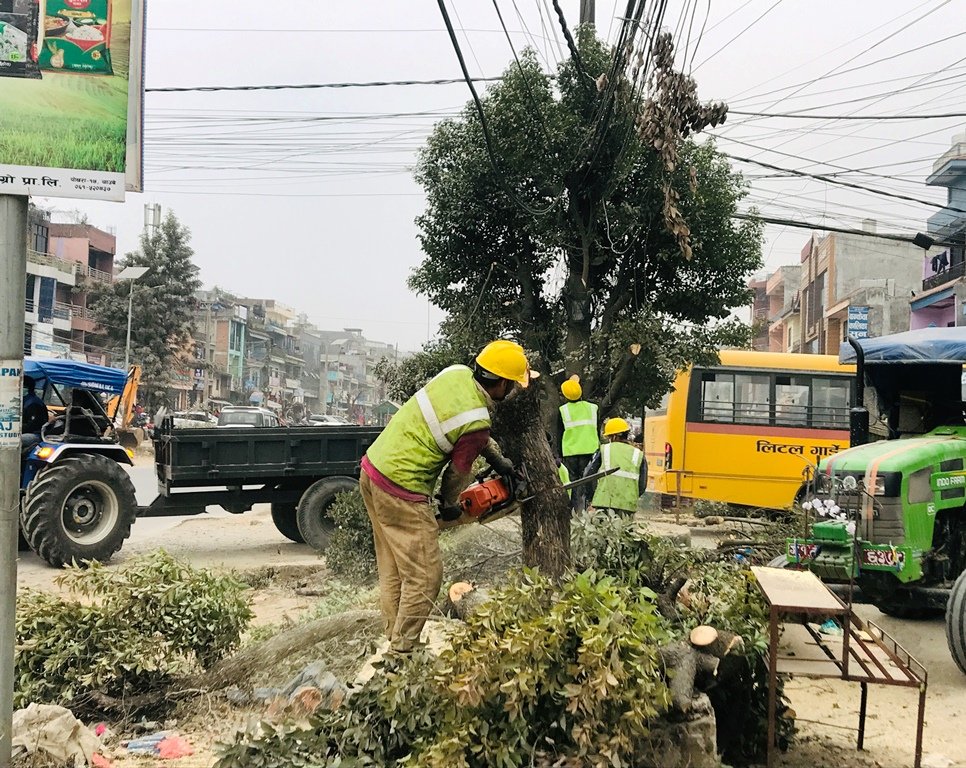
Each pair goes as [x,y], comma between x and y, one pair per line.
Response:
[831,627]
[53,731]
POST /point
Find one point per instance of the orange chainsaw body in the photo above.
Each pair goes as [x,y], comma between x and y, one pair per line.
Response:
[484,496]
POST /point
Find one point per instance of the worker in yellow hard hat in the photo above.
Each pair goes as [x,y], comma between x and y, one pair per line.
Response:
[577,425]
[445,424]
[621,489]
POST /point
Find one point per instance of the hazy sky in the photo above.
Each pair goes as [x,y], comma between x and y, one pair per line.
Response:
[306,196]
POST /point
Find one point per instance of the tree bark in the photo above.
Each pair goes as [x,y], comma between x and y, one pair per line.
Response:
[242,665]
[519,429]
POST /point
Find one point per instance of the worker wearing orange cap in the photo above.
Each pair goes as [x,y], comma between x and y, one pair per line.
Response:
[445,424]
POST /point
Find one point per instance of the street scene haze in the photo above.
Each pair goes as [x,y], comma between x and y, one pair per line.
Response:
[558,383]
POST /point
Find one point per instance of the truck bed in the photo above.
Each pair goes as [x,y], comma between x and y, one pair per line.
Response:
[235,456]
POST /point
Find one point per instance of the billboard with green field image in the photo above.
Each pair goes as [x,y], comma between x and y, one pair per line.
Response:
[76,130]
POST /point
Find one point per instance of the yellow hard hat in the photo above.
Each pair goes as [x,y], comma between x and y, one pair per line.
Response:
[571,389]
[505,359]
[616,426]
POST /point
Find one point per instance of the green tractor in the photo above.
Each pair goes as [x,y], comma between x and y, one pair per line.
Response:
[889,513]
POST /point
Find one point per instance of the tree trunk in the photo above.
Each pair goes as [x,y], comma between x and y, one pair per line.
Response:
[519,429]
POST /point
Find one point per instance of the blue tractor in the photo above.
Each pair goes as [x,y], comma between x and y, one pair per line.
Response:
[77,501]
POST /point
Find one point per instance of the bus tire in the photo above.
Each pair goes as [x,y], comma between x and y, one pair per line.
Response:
[81,508]
[314,522]
[956,622]
[285,517]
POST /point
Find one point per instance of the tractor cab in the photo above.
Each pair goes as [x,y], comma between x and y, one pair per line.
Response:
[890,512]
[77,501]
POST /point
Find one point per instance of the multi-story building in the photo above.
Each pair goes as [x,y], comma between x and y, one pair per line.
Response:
[759,313]
[47,296]
[92,250]
[784,309]
[277,355]
[941,301]
[221,330]
[854,284]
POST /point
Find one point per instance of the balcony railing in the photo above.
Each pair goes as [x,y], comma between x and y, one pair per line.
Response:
[97,275]
[62,311]
[947,276]
[46,260]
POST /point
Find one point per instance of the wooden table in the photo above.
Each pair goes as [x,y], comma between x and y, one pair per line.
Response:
[868,654]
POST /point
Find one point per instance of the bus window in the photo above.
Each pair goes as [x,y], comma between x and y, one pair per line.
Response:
[830,403]
[791,400]
[718,397]
[754,398]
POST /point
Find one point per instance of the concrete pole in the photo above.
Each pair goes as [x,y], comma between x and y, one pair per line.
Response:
[588,12]
[13,272]
[127,345]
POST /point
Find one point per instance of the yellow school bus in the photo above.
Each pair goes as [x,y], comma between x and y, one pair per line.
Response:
[745,430]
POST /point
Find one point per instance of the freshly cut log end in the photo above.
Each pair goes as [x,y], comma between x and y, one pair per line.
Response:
[702,636]
[465,599]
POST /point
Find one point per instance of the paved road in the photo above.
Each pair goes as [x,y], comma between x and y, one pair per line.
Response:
[215,539]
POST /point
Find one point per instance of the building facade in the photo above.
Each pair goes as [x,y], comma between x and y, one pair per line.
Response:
[941,301]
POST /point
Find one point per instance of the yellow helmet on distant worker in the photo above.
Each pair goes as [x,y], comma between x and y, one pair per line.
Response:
[616,426]
[571,389]
[505,359]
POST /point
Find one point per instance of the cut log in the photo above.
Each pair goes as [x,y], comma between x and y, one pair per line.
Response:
[680,664]
[464,599]
[702,636]
[241,666]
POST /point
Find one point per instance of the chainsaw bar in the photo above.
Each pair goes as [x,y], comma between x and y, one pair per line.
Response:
[574,483]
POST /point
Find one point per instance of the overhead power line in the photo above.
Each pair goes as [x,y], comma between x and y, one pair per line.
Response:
[839,182]
[307,86]
[799,116]
[829,228]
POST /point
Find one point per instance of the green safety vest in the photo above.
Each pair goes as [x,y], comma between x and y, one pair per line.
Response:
[580,428]
[620,489]
[564,474]
[415,446]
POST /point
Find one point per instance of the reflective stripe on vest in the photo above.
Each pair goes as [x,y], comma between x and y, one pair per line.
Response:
[580,428]
[415,445]
[619,490]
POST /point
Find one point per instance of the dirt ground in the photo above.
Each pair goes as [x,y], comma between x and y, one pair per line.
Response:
[826,711]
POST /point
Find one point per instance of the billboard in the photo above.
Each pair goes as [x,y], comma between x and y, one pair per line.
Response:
[71,96]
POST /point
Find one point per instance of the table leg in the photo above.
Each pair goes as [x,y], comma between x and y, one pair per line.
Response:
[919,725]
[772,683]
[862,705]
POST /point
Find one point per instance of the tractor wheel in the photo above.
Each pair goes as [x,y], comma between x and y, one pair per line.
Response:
[956,622]
[902,608]
[22,544]
[314,522]
[285,518]
[80,508]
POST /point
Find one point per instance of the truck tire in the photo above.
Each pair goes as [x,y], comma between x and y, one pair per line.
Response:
[80,508]
[956,622]
[285,517]
[314,522]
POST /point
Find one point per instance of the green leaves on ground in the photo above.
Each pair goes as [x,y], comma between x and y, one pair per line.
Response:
[124,632]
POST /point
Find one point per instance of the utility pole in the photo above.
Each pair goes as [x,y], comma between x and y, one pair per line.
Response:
[13,276]
[588,12]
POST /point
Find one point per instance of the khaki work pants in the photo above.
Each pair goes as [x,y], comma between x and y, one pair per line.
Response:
[408,559]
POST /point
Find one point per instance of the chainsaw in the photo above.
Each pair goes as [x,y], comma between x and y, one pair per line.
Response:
[491,498]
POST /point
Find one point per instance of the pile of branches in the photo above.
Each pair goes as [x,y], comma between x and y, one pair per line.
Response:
[560,673]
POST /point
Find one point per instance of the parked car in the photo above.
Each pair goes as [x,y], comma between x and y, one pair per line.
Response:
[248,416]
[193,419]
[325,418]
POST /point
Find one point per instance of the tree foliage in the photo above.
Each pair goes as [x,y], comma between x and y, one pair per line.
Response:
[599,223]
[162,320]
